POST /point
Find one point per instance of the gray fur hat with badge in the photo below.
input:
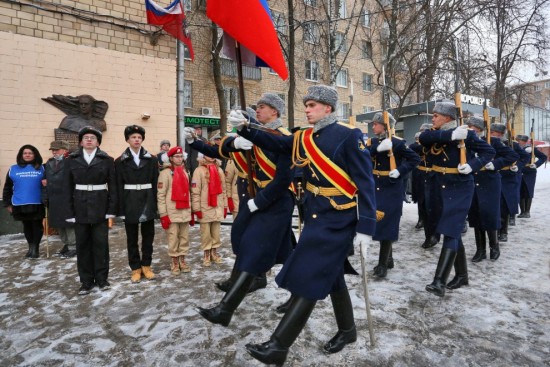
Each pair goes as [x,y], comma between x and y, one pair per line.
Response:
[477,122]
[273,101]
[379,119]
[522,138]
[498,128]
[322,94]
[446,108]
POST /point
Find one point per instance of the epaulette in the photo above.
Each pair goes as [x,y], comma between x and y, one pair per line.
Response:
[284,131]
[346,125]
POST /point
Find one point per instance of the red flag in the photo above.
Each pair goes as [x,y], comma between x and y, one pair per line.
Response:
[172,20]
[249,22]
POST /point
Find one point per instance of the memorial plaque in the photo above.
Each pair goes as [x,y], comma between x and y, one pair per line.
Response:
[69,137]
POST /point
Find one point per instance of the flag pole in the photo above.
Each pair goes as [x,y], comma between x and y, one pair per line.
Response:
[251,190]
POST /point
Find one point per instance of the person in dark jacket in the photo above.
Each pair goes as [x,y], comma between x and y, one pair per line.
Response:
[22,195]
[53,197]
[164,148]
[137,175]
[529,175]
[92,199]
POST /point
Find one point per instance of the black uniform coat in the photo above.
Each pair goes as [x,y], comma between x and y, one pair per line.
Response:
[90,206]
[316,266]
[53,194]
[485,209]
[529,176]
[137,206]
[390,191]
[451,193]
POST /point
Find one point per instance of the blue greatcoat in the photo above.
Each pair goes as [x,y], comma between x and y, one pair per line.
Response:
[529,175]
[451,193]
[485,209]
[390,191]
[316,267]
[263,238]
[511,182]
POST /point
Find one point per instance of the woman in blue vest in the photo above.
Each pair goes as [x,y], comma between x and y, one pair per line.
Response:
[22,195]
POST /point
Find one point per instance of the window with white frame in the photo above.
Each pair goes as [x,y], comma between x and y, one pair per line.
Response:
[342,78]
[187,93]
[186,53]
[367,82]
[366,49]
[231,96]
[547,104]
[537,87]
[367,109]
[310,2]
[340,42]
[365,18]
[279,21]
[547,85]
[312,70]
[311,33]
[342,10]
[342,111]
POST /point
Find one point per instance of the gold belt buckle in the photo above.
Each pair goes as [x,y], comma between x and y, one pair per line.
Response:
[316,190]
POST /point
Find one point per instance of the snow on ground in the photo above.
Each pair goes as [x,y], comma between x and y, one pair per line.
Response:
[500,319]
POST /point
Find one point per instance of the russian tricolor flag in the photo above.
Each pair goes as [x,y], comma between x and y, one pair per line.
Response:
[171,19]
[249,23]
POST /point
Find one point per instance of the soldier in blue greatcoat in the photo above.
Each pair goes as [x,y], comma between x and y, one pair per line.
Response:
[386,153]
[451,184]
[339,204]
[261,233]
[529,175]
[484,215]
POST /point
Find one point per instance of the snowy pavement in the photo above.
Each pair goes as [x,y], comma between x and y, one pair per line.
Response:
[500,319]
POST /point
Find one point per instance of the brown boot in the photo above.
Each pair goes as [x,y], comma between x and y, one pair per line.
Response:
[215,257]
[175,266]
[206,258]
[136,276]
[147,272]
[183,265]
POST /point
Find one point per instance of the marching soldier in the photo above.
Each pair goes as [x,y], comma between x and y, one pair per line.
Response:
[529,175]
[339,204]
[137,175]
[484,215]
[389,186]
[451,185]
[261,233]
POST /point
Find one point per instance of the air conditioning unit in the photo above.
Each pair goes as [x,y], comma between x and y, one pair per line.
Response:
[206,111]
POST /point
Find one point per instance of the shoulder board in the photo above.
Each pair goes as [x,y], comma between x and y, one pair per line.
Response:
[346,125]
[284,131]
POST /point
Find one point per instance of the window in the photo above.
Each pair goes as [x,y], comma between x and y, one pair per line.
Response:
[340,42]
[367,82]
[231,96]
[186,53]
[186,5]
[366,50]
[342,78]
[547,104]
[367,109]
[365,19]
[187,93]
[279,21]
[546,85]
[311,33]
[312,70]
[342,10]
[310,2]
[537,87]
[342,111]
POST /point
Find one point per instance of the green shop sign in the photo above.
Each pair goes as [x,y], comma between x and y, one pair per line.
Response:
[207,121]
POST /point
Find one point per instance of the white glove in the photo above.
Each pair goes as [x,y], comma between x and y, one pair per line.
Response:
[528,150]
[109,216]
[464,169]
[394,173]
[237,119]
[189,134]
[70,220]
[252,205]
[514,168]
[122,217]
[361,239]
[384,145]
[242,143]
[532,165]
[460,133]
[490,166]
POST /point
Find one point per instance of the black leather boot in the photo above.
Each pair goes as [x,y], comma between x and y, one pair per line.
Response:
[512,221]
[34,251]
[391,264]
[275,350]
[284,307]
[28,254]
[494,248]
[420,223]
[481,245]
[381,270]
[521,208]
[222,313]
[431,239]
[259,282]
[503,233]
[461,269]
[226,284]
[444,265]
[343,311]
[528,207]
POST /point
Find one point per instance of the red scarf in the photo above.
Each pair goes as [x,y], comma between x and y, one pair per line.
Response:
[214,185]
[180,188]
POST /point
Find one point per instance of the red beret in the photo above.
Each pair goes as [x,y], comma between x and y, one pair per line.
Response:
[175,150]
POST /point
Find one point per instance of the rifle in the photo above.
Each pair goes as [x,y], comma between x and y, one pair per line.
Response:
[486,115]
[532,141]
[386,119]
[458,103]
